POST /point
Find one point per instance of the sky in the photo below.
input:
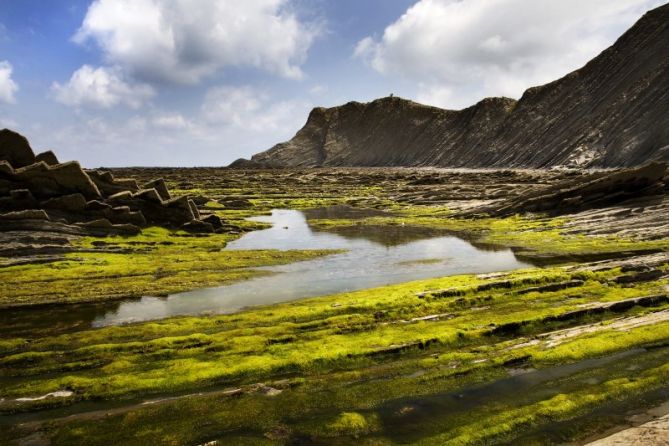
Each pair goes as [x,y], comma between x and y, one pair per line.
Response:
[204,82]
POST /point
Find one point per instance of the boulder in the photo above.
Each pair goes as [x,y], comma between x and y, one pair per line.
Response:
[6,169]
[174,212]
[23,198]
[123,214]
[160,187]
[200,200]
[182,203]
[95,205]
[197,226]
[128,183]
[148,195]
[235,203]
[48,157]
[193,209]
[120,197]
[170,213]
[214,220]
[108,185]
[104,227]
[15,149]
[596,190]
[18,199]
[27,214]
[46,181]
[69,203]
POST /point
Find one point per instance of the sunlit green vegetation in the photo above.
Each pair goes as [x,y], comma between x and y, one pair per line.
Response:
[156,262]
[351,368]
[328,364]
[533,237]
[345,331]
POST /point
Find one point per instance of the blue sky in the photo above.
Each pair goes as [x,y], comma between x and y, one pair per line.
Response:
[192,83]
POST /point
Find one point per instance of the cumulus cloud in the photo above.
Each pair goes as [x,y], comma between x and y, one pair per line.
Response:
[251,109]
[461,51]
[101,87]
[183,41]
[7,86]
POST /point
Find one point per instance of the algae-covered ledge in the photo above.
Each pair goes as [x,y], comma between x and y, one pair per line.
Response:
[155,263]
[340,360]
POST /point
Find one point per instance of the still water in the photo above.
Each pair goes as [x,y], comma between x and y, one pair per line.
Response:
[374,256]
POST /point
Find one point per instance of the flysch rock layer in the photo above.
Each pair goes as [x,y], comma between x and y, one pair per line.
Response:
[610,113]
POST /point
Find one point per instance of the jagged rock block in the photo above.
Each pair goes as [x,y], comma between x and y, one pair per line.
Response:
[70,203]
[160,187]
[48,157]
[15,149]
[46,181]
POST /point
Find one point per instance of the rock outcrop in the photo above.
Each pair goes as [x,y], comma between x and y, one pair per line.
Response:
[15,149]
[37,193]
[596,190]
[610,113]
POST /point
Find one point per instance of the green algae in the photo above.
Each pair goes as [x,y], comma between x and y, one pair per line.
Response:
[156,262]
[336,360]
[341,332]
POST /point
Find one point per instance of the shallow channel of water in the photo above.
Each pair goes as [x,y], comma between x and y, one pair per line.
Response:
[380,256]
[374,256]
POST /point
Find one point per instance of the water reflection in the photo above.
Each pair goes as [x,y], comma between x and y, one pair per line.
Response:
[374,256]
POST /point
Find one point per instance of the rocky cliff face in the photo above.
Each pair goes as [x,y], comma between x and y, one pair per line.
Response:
[612,112]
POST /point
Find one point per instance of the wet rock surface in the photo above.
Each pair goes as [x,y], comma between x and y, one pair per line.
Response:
[654,432]
[596,190]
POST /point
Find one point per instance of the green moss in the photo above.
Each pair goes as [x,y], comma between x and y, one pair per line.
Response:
[156,262]
[347,331]
[341,362]
[348,424]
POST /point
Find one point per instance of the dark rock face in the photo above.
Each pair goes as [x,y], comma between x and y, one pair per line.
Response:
[15,149]
[48,157]
[109,185]
[70,203]
[610,113]
[83,202]
[46,181]
[159,186]
[597,190]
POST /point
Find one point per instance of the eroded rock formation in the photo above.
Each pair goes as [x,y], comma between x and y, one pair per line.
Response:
[593,191]
[610,113]
[39,193]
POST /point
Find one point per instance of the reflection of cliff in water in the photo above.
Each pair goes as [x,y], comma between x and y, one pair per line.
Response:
[385,235]
[342,211]
[51,320]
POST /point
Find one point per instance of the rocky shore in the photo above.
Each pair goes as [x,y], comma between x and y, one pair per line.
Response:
[44,203]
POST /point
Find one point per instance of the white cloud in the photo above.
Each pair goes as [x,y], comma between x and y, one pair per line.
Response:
[184,41]
[232,122]
[7,86]
[251,109]
[101,87]
[172,121]
[461,51]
